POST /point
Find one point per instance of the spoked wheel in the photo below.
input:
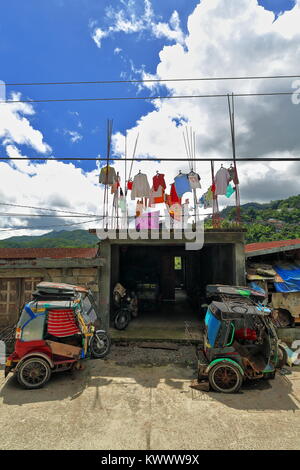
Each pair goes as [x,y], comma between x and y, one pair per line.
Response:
[33,373]
[100,345]
[225,377]
[122,319]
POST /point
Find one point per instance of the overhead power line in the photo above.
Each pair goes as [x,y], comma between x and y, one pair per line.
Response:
[154,80]
[158,97]
[152,159]
[13,214]
[46,209]
[11,229]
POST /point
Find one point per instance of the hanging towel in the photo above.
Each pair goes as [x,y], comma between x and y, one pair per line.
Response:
[140,187]
[230,190]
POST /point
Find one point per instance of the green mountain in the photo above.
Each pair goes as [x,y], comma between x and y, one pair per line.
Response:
[276,220]
[61,239]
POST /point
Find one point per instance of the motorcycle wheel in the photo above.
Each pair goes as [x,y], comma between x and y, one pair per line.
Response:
[33,373]
[225,378]
[122,319]
[100,345]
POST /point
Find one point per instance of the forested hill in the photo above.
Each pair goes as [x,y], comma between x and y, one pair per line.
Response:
[61,239]
[276,220]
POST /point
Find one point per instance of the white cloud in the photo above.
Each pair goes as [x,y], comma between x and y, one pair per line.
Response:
[117,50]
[74,135]
[16,128]
[229,38]
[128,21]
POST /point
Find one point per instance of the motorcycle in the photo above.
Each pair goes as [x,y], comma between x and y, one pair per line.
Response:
[126,306]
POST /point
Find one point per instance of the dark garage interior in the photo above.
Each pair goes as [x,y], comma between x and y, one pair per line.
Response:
[170,281]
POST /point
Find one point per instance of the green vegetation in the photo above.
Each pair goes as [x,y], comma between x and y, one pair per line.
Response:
[61,239]
[277,220]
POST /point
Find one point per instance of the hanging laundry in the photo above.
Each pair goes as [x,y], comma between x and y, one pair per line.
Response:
[174,195]
[206,199]
[159,180]
[139,208]
[150,220]
[233,175]
[156,197]
[140,187]
[182,184]
[222,179]
[122,201]
[116,184]
[176,212]
[194,180]
[107,175]
[129,184]
[230,190]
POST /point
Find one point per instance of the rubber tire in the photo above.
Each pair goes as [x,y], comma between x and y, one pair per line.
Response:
[94,352]
[20,370]
[215,368]
[125,316]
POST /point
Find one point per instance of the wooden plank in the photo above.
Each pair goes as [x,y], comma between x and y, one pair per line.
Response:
[65,350]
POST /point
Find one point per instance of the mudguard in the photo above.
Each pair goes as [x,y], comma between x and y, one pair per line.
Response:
[221,359]
[36,354]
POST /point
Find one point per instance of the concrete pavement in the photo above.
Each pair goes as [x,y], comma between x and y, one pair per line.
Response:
[117,406]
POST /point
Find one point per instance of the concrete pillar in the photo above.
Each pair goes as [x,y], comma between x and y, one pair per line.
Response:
[105,284]
[239,264]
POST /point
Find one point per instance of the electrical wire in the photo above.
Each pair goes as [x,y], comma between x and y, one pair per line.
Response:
[159,97]
[46,209]
[153,80]
[11,229]
[156,159]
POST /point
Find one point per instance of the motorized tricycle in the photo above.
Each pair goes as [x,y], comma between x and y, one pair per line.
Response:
[240,341]
[54,332]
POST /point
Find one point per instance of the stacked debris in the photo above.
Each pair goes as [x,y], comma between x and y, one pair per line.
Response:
[280,283]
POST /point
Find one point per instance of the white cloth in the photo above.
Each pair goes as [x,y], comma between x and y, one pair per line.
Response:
[140,187]
[194,180]
[222,179]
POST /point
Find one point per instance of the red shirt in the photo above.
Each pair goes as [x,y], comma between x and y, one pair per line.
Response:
[159,180]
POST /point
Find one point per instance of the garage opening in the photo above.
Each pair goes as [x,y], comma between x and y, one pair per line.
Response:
[170,285]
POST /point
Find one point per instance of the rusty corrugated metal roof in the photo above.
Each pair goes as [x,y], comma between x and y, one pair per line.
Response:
[274,244]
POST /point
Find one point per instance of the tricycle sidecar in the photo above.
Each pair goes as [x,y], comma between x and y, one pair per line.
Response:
[240,341]
[55,330]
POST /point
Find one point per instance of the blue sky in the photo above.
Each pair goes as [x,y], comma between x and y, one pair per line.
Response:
[82,40]
[51,41]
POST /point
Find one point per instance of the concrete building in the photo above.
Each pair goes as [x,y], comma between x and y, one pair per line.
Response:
[179,275]
[152,262]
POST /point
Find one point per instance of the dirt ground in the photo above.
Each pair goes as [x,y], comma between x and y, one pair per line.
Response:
[141,399]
